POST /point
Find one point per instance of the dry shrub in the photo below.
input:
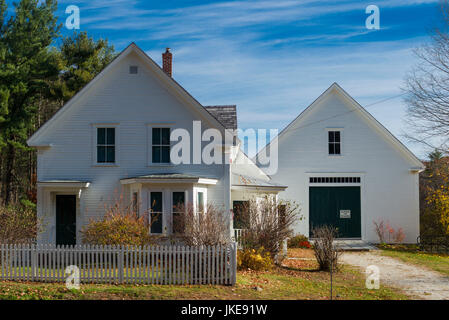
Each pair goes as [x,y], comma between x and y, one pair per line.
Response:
[18,225]
[119,226]
[267,224]
[208,227]
[384,230]
[326,252]
[258,260]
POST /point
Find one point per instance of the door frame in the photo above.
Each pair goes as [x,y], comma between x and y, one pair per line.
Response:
[363,190]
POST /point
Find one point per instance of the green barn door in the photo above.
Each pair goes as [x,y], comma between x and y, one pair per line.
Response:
[65,220]
[338,207]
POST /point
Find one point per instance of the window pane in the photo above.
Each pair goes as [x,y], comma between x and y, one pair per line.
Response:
[331,136]
[337,148]
[156,155]
[331,148]
[200,201]
[337,136]
[110,154]
[101,154]
[156,222]
[165,155]
[166,136]
[110,135]
[156,201]
[239,208]
[156,135]
[178,200]
[101,135]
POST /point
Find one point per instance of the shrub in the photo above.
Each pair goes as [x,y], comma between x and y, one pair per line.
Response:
[326,253]
[296,241]
[258,260]
[268,223]
[384,230]
[119,226]
[207,227]
[18,224]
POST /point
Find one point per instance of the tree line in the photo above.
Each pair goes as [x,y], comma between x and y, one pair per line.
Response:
[40,70]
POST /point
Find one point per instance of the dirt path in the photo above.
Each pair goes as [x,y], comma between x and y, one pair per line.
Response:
[414,280]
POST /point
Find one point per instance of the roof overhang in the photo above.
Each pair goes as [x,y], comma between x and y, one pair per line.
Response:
[256,188]
[205,181]
[417,169]
[63,184]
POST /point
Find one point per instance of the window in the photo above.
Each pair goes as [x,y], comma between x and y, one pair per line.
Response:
[200,201]
[105,145]
[156,212]
[334,142]
[334,180]
[135,203]
[133,69]
[178,200]
[239,208]
[160,145]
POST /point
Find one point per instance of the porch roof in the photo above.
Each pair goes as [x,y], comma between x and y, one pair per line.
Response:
[64,183]
[243,182]
[169,178]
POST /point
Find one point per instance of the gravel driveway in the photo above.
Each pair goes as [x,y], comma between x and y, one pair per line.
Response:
[413,280]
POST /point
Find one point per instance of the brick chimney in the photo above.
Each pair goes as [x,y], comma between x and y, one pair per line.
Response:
[167,61]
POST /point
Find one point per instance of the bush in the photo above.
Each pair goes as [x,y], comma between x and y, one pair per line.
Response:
[119,226]
[384,230]
[18,225]
[208,227]
[268,223]
[298,241]
[326,253]
[258,260]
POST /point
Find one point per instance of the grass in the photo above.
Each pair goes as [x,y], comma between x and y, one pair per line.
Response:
[436,262]
[296,279]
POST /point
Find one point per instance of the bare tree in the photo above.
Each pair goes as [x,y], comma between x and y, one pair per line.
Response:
[427,87]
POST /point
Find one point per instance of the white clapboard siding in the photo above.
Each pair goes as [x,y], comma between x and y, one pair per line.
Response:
[120,264]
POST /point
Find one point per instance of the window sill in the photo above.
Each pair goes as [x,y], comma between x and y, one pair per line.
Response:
[160,165]
[105,165]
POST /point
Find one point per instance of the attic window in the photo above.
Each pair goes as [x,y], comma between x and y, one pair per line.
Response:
[133,69]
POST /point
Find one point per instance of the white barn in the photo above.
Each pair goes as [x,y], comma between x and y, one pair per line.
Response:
[345,169]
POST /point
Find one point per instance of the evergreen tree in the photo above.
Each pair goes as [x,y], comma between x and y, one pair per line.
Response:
[27,66]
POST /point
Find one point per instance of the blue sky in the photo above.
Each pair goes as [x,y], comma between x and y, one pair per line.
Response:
[273,58]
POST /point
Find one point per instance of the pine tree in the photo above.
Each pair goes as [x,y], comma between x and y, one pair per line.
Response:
[24,77]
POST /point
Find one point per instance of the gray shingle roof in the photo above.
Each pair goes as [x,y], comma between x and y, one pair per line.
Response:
[226,115]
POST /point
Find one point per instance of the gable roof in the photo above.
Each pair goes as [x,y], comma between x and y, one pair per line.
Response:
[227,115]
[386,134]
[172,85]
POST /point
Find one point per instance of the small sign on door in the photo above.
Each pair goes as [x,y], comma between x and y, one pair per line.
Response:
[345,214]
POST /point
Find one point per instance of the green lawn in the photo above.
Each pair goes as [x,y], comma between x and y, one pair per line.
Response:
[281,283]
[436,262]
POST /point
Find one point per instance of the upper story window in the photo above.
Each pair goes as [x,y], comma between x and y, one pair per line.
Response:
[334,142]
[105,145]
[160,149]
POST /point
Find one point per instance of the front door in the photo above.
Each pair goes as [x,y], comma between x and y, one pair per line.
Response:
[65,219]
[336,206]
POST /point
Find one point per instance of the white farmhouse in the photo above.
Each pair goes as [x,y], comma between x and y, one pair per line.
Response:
[112,140]
[345,169]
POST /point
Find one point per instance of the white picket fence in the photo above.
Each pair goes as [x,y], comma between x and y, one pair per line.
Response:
[121,264]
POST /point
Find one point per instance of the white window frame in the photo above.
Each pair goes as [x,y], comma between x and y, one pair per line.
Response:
[96,126]
[195,198]
[341,141]
[150,127]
